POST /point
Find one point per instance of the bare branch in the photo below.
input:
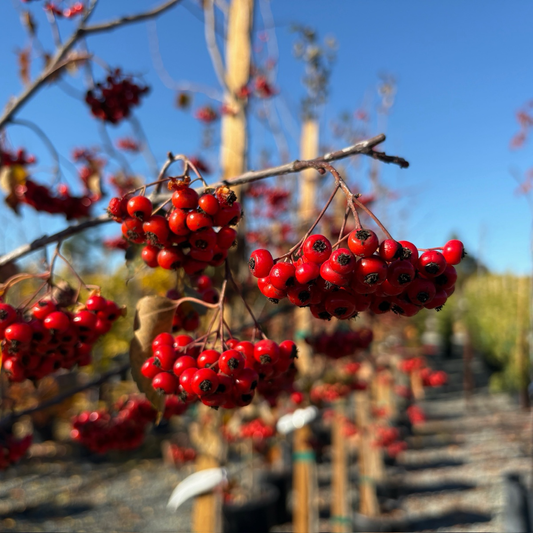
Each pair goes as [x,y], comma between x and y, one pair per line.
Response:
[60,58]
[9,419]
[363,147]
[212,47]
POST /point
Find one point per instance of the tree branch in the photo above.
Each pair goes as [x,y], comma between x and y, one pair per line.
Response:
[9,419]
[58,63]
[363,147]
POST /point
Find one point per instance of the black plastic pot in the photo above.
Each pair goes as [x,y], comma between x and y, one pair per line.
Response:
[255,516]
[283,482]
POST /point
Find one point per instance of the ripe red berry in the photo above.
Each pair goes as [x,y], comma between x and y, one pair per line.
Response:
[453,252]
[389,250]
[400,273]
[165,382]
[203,283]
[84,320]
[447,279]
[117,208]
[226,237]
[162,339]
[185,198]
[282,276]
[271,292]
[208,358]
[306,272]
[438,301]
[208,204]
[340,304]
[204,381]
[170,258]
[288,350]
[203,239]
[183,363]
[132,229]
[421,291]
[328,274]
[42,309]
[260,263]
[363,242]
[431,263]
[231,363]
[299,295]
[140,207]
[197,220]
[342,261]
[96,303]
[149,369]
[164,357]
[156,230]
[186,379]
[266,352]
[177,222]
[149,255]
[58,321]
[409,252]
[228,216]
[19,333]
[371,270]
[317,248]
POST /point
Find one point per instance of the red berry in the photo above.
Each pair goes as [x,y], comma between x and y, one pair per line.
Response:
[371,270]
[185,198]
[183,363]
[84,320]
[57,321]
[421,291]
[438,301]
[266,352]
[342,261]
[228,216]
[186,379]
[246,381]
[177,222]
[363,242]
[226,237]
[204,282]
[204,381]
[41,309]
[389,249]
[260,263]
[208,204]
[197,220]
[453,252]
[431,264]
[163,339]
[208,358]
[328,274]
[165,356]
[132,229]
[272,293]
[165,382]
[170,258]
[194,267]
[96,303]
[149,255]
[340,304]
[409,252]
[317,248]
[203,239]
[139,207]
[306,272]
[231,363]
[282,276]
[299,295]
[19,333]
[149,369]
[288,350]
[156,230]
[447,279]
[400,273]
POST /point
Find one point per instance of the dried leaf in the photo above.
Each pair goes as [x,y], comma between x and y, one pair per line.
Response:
[10,177]
[153,316]
[24,61]
[29,22]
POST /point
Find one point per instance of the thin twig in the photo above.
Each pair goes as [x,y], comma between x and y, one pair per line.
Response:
[212,47]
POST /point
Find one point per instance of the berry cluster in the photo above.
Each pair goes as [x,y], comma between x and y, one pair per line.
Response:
[341,343]
[432,378]
[206,114]
[181,455]
[228,379]
[389,438]
[112,100]
[416,415]
[12,449]
[49,337]
[9,158]
[368,275]
[69,12]
[185,236]
[101,431]
[257,429]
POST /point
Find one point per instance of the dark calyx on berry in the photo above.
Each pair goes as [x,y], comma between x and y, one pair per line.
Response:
[371,279]
[233,363]
[432,268]
[344,259]
[406,253]
[404,278]
[422,297]
[319,246]
[274,300]
[324,315]
[341,311]
[201,244]
[363,235]
[384,306]
[303,296]
[265,359]
[396,309]
[439,308]
[206,385]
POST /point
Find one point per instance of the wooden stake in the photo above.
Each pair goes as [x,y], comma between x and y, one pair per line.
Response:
[308,190]
[340,521]
[206,515]
[303,480]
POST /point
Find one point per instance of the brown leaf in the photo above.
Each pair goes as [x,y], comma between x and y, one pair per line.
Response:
[29,22]
[24,60]
[153,316]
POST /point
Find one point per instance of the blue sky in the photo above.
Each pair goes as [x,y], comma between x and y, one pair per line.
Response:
[462,70]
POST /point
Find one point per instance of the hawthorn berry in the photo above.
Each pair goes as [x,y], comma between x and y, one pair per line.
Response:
[282,276]
[204,381]
[231,363]
[431,263]
[453,251]
[363,242]
[389,250]
[156,230]
[139,207]
[260,263]
[316,248]
[185,198]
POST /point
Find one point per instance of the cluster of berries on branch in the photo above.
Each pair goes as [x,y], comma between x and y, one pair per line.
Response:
[341,343]
[185,236]
[368,275]
[229,379]
[68,12]
[49,337]
[113,99]
[429,377]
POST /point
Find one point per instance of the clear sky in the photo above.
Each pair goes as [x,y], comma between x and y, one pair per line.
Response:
[463,69]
